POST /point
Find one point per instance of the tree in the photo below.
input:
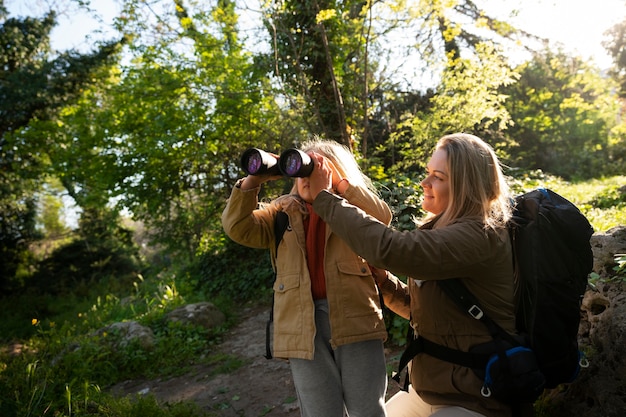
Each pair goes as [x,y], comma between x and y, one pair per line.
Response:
[562,109]
[467,100]
[461,46]
[34,85]
[316,43]
[165,139]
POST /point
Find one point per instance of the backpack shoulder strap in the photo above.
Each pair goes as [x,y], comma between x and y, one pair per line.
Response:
[420,344]
[466,301]
[281,222]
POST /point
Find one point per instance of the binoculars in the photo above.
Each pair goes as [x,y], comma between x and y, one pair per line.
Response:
[291,163]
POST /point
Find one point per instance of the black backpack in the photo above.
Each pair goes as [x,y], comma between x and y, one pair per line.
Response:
[552,259]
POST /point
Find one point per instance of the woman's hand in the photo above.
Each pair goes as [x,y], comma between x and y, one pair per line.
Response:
[322,176]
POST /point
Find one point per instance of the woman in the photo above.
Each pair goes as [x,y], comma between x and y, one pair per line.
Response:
[327,315]
[463,236]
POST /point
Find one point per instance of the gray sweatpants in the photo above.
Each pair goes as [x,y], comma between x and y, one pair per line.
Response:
[350,379]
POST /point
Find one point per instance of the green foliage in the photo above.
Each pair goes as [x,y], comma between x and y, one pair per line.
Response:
[620,268]
[615,44]
[612,196]
[42,393]
[397,328]
[17,229]
[225,363]
[468,100]
[470,96]
[79,264]
[50,212]
[403,195]
[320,56]
[170,124]
[235,271]
[563,110]
[34,86]
[67,361]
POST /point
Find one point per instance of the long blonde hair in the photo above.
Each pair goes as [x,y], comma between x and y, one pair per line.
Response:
[477,185]
[341,157]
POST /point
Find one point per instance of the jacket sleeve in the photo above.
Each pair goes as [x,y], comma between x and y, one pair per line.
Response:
[396,295]
[244,223]
[369,203]
[425,254]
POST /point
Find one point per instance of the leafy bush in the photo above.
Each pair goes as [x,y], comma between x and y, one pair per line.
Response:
[403,195]
[62,368]
[235,271]
[75,267]
[613,196]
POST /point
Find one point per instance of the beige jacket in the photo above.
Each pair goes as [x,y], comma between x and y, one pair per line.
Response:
[354,303]
[461,250]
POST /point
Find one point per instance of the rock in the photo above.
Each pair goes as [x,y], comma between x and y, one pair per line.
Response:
[605,246]
[129,331]
[203,314]
[599,389]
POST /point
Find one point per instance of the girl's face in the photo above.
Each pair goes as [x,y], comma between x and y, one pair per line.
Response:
[304,191]
[436,185]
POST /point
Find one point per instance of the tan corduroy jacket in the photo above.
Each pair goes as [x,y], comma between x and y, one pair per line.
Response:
[464,249]
[354,303]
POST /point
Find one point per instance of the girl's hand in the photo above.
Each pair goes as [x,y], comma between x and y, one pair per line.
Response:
[322,176]
[254,181]
[339,183]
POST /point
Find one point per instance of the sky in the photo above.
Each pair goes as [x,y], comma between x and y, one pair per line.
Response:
[578,24]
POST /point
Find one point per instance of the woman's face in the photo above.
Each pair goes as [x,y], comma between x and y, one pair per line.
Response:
[436,185]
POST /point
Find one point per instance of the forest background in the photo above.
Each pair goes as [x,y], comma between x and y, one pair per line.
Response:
[143,135]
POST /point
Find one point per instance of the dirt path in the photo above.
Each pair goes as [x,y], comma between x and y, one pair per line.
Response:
[259,388]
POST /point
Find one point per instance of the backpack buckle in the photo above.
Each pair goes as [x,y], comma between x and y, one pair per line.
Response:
[475,312]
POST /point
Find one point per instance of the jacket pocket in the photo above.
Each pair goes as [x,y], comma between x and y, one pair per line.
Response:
[360,296]
[287,304]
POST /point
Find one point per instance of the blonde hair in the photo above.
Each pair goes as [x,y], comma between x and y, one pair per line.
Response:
[341,157]
[477,185]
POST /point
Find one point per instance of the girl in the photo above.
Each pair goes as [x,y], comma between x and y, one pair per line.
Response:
[327,315]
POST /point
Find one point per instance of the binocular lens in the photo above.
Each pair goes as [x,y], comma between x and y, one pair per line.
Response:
[257,162]
[292,164]
[254,163]
[295,163]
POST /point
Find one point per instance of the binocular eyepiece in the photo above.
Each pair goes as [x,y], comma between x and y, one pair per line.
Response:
[291,163]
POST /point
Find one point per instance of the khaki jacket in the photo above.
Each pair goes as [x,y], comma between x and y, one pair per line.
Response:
[464,249]
[354,302]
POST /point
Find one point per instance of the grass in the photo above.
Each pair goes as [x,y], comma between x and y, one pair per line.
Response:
[598,199]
